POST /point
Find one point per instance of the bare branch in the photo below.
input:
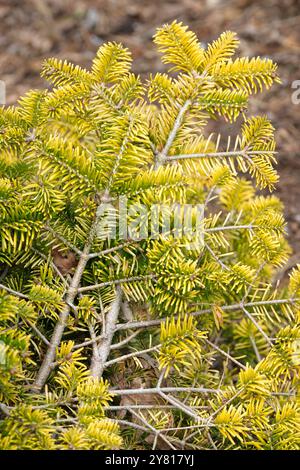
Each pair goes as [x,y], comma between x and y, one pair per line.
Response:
[155,431]
[38,332]
[143,391]
[116,282]
[64,240]
[223,266]
[53,266]
[252,319]
[224,353]
[180,406]
[161,156]
[222,228]
[236,153]
[255,348]
[14,292]
[150,407]
[124,341]
[108,330]
[112,249]
[130,355]
[233,307]
[123,422]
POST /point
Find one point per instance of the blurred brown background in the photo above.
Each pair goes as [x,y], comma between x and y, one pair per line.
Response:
[73,29]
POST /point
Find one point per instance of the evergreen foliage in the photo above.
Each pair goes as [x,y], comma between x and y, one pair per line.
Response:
[115,342]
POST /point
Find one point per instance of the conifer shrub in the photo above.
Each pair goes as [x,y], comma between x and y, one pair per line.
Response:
[139,337]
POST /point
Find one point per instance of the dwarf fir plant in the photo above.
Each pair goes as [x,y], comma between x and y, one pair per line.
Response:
[113,340]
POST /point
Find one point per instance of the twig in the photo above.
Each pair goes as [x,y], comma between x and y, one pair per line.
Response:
[143,391]
[150,407]
[252,319]
[237,153]
[161,377]
[108,330]
[124,341]
[226,403]
[64,240]
[38,332]
[228,308]
[223,266]
[155,431]
[116,282]
[112,249]
[181,406]
[88,342]
[211,440]
[128,356]
[222,228]
[93,336]
[123,422]
[210,424]
[11,291]
[232,359]
[53,266]
[254,345]
[162,156]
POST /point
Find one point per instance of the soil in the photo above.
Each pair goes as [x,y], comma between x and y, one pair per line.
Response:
[32,30]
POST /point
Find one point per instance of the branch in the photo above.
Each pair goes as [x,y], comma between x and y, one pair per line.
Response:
[133,354]
[49,358]
[241,153]
[53,266]
[38,332]
[232,359]
[252,319]
[108,330]
[11,291]
[116,282]
[150,407]
[64,240]
[94,339]
[123,422]
[233,307]
[229,227]
[155,431]
[113,346]
[255,348]
[223,266]
[111,250]
[125,341]
[181,406]
[161,156]
[156,390]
